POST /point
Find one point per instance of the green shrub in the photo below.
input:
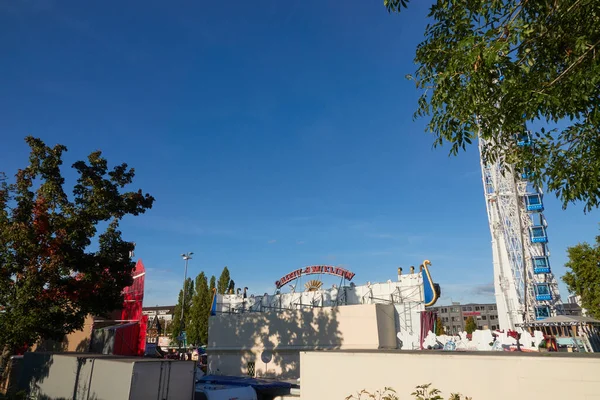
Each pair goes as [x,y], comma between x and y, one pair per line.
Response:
[422,392]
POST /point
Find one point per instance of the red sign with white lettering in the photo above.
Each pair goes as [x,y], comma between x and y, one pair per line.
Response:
[471,313]
[314,270]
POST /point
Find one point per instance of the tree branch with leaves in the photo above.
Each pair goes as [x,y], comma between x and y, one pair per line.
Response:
[499,68]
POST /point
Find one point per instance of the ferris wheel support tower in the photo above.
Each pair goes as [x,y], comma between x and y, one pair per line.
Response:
[525,288]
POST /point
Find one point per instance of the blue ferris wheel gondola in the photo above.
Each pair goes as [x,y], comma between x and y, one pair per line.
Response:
[526,174]
[542,312]
[533,202]
[542,292]
[541,265]
[538,234]
[524,139]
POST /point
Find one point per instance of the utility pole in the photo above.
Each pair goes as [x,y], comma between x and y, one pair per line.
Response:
[186,257]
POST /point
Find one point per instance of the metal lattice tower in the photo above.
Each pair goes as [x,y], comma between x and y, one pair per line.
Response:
[525,288]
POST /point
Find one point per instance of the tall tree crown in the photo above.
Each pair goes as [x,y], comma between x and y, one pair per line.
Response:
[224,281]
[583,275]
[51,273]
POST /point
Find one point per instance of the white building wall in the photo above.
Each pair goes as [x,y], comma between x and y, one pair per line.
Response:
[236,342]
[489,376]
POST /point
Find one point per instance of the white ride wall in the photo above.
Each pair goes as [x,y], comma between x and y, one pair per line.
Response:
[407,289]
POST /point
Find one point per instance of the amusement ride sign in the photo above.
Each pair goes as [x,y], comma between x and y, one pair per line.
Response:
[314,270]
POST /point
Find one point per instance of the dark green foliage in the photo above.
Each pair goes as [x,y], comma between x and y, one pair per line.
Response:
[50,279]
[395,5]
[583,279]
[224,281]
[548,53]
[176,327]
[200,306]
[470,325]
[198,329]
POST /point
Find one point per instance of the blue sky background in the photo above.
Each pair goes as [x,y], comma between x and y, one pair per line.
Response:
[273,135]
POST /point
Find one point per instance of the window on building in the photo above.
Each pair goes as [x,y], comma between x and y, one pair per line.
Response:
[492,317]
[483,317]
[492,308]
[467,308]
[453,319]
[455,309]
[464,318]
[476,308]
[494,327]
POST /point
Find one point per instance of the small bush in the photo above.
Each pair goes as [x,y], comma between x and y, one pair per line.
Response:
[386,394]
[422,392]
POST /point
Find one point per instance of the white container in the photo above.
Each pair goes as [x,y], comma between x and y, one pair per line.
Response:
[87,376]
[143,379]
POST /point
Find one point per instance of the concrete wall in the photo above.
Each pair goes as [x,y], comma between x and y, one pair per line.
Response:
[77,341]
[235,340]
[481,375]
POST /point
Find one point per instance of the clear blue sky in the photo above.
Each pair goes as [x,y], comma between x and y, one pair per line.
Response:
[273,135]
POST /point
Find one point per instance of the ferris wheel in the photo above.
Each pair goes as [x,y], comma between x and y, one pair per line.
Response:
[525,287]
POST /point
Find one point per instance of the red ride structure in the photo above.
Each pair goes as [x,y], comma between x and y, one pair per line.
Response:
[125,336]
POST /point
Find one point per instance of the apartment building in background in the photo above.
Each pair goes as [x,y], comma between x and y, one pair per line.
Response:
[455,316]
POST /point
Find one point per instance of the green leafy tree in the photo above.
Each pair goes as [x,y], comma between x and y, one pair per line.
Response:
[583,277]
[198,329]
[439,327]
[51,276]
[176,327]
[213,283]
[470,325]
[224,281]
[498,68]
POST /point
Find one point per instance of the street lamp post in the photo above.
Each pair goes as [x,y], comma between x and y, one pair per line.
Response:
[186,257]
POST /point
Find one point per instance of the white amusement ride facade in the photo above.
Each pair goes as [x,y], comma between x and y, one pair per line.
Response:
[415,287]
[410,294]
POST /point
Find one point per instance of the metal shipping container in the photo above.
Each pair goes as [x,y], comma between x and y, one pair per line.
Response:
[80,376]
